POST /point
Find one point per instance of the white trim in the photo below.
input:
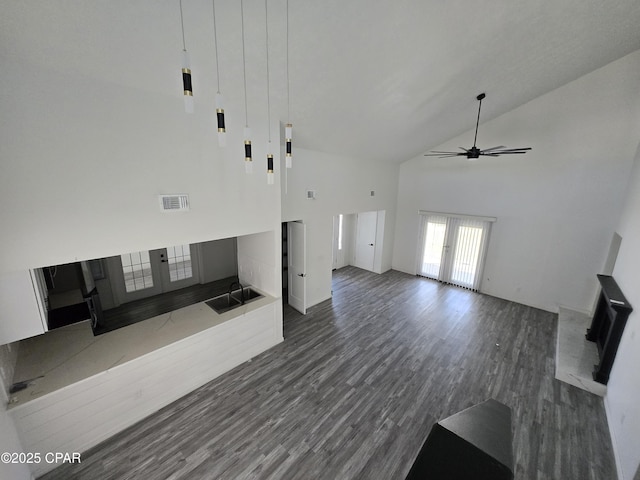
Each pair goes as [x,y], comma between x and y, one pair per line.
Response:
[37,291]
[457,215]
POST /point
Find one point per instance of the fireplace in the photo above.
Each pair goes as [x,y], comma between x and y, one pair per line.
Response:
[607,325]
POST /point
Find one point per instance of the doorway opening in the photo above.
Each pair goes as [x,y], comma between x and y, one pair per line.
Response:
[358,239]
[117,291]
[294,265]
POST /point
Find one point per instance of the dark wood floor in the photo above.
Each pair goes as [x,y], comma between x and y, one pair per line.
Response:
[139,310]
[355,388]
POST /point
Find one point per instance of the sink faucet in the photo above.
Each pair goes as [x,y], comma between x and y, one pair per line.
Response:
[241,290]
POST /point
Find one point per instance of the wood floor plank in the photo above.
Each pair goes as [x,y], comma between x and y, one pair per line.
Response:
[356,386]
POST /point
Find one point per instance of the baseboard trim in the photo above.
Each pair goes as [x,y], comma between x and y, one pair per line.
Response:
[316,302]
[614,442]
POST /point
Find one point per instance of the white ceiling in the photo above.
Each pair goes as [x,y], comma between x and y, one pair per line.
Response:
[381,80]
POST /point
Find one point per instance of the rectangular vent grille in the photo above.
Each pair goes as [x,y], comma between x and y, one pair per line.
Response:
[174,203]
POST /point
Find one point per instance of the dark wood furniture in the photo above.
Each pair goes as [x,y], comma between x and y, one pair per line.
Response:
[607,325]
[474,443]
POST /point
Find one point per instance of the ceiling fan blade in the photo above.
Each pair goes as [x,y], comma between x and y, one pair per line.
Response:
[465,149]
[444,154]
[523,149]
[489,154]
[493,148]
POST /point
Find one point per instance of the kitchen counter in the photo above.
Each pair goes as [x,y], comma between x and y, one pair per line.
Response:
[71,354]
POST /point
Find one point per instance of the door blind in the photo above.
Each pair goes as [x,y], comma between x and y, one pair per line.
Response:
[453,248]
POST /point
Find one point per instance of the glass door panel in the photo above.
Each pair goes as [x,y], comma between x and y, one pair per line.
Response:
[465,257]
[434,235]
[179,261]
[179,267]
[136,269]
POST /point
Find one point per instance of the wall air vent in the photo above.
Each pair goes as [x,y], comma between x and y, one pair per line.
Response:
[174,203]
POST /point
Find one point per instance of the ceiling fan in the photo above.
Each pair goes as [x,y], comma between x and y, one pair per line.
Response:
[474,152]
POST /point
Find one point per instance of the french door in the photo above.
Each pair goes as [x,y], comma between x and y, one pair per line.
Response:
[138,275]
[453,248]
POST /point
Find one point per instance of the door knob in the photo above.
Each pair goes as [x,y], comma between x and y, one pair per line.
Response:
[301,275]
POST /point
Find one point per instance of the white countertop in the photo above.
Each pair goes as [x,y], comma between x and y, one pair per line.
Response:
[70,354]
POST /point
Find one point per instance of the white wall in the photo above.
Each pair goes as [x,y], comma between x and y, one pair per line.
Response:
[87,159]
[557,205]
[259,262]
[21,315]
[345,255]
[349,240]
[218,259]
[623,390]
[343,185]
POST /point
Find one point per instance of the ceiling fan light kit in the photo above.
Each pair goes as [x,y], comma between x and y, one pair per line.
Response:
[474,152]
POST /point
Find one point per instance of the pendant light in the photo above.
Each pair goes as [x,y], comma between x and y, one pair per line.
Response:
[186,71]
[248,161]
[288,130]
[222,131]
[270,174]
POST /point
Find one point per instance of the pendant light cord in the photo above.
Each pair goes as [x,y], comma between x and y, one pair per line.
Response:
[244,65]
[184,45]
[288,90]
[215,38]
[266,24]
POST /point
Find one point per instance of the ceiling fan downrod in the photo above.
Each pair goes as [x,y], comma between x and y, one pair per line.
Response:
[475,138]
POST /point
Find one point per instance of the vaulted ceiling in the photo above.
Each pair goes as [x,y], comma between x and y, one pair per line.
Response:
[384,80]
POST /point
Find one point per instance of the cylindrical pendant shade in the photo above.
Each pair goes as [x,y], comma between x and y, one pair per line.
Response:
[186,82]
[288,135]
[248,161]
[222,130]
[220,115]
[270,175]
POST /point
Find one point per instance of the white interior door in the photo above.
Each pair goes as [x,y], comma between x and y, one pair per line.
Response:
[366,226]
[297,241]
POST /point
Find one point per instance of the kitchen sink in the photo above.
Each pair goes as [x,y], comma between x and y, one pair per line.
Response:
[228,301]
[249,294]
[223,303]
